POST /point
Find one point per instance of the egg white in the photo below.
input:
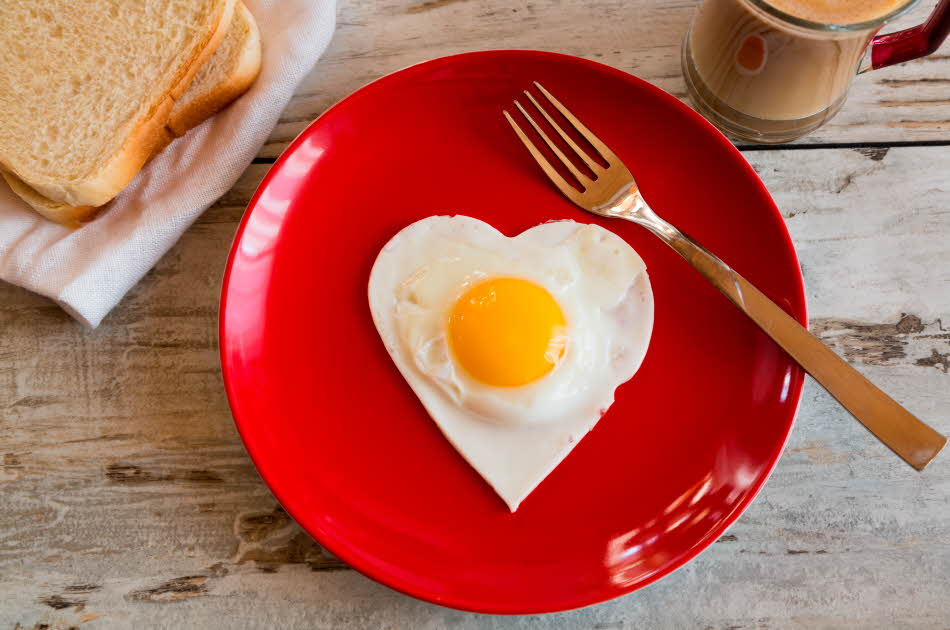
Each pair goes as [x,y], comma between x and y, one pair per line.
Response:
[513,436]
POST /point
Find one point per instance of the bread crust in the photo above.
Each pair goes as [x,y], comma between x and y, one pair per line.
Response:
[62,213]
[207,105]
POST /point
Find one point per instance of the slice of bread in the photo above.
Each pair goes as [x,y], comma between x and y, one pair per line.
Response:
[231,70]
[86,89]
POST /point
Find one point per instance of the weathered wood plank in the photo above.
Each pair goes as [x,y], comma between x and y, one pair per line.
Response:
[902,103]
[128,501]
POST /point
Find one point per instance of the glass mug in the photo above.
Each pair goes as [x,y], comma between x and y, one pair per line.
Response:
[762,74]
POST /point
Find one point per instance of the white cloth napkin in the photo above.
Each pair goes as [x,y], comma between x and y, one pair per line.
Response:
[88,270]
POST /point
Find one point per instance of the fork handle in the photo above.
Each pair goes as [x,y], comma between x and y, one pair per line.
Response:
[914,441]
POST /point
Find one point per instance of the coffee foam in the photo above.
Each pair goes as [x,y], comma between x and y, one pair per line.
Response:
[837,11]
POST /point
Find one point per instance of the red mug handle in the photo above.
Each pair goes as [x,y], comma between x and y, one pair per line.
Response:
[911,43]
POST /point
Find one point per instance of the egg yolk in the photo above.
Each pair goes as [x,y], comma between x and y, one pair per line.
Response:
[507,332]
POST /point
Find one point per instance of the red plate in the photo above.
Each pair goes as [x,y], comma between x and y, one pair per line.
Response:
[345,445]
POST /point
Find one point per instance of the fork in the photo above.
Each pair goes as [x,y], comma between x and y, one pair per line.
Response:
[613,193]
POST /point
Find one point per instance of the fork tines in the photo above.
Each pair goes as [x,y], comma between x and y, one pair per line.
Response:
[584,180]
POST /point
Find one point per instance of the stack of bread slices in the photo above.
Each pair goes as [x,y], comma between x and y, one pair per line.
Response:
[91,90]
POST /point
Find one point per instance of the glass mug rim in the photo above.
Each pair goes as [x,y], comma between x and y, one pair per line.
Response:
[832,28]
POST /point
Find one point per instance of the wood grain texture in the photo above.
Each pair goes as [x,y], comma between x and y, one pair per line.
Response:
[128,501]
[909,102]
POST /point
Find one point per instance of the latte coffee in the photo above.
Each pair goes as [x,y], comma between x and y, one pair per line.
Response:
[773,72]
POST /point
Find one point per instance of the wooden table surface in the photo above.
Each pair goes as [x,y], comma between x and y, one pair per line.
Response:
[127,501]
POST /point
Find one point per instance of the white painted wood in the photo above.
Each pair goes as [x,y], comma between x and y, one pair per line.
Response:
[864,229]
[376,37]
[128,501]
